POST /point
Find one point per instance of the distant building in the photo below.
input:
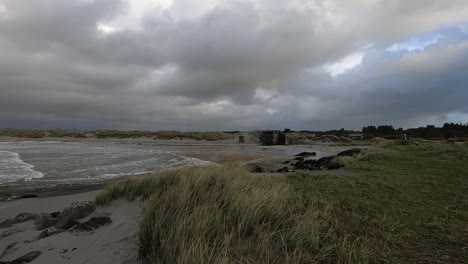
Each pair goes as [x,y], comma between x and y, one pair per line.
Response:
[241,139]
[273,137]
[357,136]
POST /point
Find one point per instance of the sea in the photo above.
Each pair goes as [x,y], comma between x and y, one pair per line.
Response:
[42,164]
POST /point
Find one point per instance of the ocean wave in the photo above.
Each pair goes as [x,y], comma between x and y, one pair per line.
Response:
[13,168]
[174,163]
[181,161]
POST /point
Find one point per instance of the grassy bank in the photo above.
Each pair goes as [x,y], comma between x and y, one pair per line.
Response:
[408,204]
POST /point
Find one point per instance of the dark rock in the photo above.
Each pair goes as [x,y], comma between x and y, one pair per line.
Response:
[23,217]
[306,154]
[25,258]
[44,221]
[55,214]
[301,165]
[286,162]
[285,169]
[7,249]
[254,168]
[324,161]
[92,224]
[50,232]
[350,152]
[43,234]
[27,196]
[334,166]
[55,231]
[299,158]
[70,215]
[6,223]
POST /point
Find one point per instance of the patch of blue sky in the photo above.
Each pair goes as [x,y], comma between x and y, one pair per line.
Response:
[453,33]
[457,118]
[415,44]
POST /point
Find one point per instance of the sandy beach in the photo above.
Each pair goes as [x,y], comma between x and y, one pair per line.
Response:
[117,241]
[113,243]
[217,152]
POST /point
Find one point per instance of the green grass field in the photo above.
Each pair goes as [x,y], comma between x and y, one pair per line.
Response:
[405,204]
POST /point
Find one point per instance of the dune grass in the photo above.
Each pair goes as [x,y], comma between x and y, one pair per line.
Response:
[117,134]
[407,204]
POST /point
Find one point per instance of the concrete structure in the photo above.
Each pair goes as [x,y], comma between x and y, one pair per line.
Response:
[356,136]
[273,137]
[241,139]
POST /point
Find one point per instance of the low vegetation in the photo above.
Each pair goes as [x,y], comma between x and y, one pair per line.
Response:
[405,204]
[209,136]
[103,134]
[22,134]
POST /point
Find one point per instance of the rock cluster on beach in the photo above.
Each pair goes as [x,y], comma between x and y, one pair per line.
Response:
[324,163]
[52,224]
[304,161]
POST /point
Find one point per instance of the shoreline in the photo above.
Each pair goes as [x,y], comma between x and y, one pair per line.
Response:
[218,152]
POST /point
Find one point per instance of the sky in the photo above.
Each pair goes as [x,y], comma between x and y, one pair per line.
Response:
[232,65]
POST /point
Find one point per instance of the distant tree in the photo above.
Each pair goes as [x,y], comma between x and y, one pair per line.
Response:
[386,130]
[369,130]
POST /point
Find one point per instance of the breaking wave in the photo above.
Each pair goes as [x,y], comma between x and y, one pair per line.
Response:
[13,168]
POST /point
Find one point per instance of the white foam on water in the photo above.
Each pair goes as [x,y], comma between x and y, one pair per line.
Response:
[13,168]
[189,161]
[109,176]
[174,163]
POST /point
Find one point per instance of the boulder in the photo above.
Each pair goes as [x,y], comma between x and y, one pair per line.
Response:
[285,169]
[25,258]
[6,223]
[50,232]
[70,215]
[254,168]
[7,249]
[310,162]
[301,165]
[299,158]
[44,221]
[92,224]
[43,234]
[306,154]
[55,214]
[23,217]
[334,166]
[350,152]
[28,196]
[324,161]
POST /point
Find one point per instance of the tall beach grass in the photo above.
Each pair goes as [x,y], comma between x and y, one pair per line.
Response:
[404,204]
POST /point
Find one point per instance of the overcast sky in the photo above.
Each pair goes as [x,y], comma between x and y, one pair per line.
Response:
[232,65]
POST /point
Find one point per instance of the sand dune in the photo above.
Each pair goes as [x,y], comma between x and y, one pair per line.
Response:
[113,243]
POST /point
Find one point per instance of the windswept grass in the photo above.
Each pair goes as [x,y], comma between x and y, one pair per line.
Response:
[408,205]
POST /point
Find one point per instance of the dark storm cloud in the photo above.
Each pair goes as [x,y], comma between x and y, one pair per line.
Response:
[237,65]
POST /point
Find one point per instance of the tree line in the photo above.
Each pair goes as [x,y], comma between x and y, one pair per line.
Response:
[448,130]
